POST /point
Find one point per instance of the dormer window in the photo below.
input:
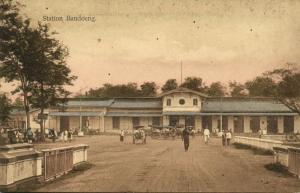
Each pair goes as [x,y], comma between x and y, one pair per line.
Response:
[168,102]
[195,102]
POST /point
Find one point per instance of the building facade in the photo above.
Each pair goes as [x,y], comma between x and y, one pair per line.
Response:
[180,106]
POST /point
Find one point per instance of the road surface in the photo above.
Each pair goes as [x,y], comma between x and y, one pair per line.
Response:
[163,165]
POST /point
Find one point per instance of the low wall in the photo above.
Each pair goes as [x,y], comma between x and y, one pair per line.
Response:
[289,157]
[281,155]
[59,161]
[19,163]
[79,154]
[266,144]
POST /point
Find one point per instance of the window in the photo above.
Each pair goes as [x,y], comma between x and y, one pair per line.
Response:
[155,120]
[135,121]
[116,122]
[195,102]
[168,102]
[182,101]
[255,124]
[288,124]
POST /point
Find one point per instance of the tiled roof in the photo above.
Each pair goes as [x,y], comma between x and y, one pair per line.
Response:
[89,103]
[243,105]
[137,103]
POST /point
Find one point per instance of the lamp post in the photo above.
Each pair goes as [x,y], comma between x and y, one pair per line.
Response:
[80,133]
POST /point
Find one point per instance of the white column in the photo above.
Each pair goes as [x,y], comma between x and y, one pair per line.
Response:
[181,120]
[230,123]
[280,124]
[214,122]
[247,124]
[297,124]
[103,124]
[198,123]
[165,120]
[263,123]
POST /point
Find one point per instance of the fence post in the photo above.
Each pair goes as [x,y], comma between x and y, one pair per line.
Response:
[45,165]
[55,161]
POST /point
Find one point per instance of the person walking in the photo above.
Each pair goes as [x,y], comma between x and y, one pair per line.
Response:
[70,137]
[223,138]
[186,138]
[29,135]
[122,135]
[206,135]
[65,135]
[228,137]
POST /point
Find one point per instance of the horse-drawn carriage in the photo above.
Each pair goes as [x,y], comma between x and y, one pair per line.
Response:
[139,134]
[164,132]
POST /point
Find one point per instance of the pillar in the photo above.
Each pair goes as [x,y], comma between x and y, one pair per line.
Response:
[297,124]
[230,123]
[103,124]
[247,124]
[280,124]
[181,120]
[198,123]
[263,123]
[215,122]
[165,120]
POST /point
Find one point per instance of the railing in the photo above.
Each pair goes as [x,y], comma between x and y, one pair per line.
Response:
[266,144]
[294,160]
[59,161]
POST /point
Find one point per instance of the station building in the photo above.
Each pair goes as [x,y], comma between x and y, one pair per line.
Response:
[180,106]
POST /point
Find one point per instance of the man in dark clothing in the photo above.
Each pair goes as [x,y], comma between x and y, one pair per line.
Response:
[186,138]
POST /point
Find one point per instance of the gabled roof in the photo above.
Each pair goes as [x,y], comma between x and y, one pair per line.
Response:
[242,105]
[183,90]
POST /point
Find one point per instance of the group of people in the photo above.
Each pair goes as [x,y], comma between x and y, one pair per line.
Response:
[226,137]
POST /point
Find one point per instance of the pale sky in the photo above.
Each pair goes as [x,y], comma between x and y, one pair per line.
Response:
[145,40]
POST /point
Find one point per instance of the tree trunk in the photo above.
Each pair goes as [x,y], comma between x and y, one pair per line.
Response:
[42,113]
[42,125]
[26,107]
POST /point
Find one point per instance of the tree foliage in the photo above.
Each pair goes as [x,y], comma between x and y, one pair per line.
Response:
[15,39]
[262,87]
[5,107]
[149,89]
[194,83]
[170,84]
[237,89]
[216,89]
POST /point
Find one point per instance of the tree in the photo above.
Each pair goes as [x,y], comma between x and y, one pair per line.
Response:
[237,89]
[18,103]
[119,90]
[216,89]
[170,84]
[149,89]
[262,86]
[49,72]
[14,48]
[5,108]
[194,83]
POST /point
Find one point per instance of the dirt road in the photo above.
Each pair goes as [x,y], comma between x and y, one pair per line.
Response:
[162,165]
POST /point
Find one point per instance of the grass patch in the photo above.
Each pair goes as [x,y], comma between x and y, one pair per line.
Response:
[256,151]
[278,168]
